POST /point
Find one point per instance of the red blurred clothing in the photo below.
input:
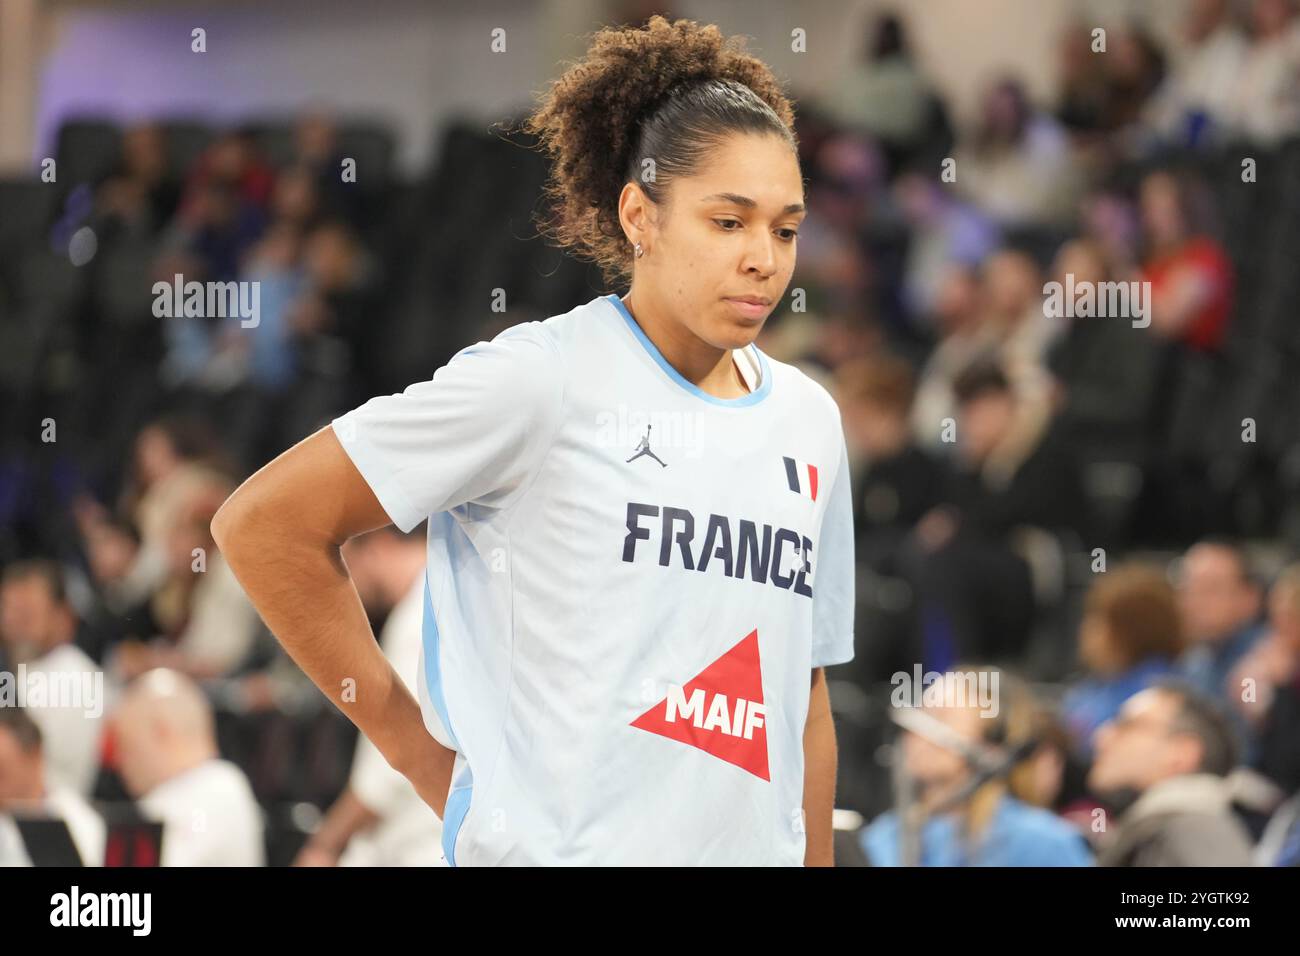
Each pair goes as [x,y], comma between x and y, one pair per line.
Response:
[1206,329]
[253,185]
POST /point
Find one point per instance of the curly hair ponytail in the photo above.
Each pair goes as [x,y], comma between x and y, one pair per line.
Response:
[667,93]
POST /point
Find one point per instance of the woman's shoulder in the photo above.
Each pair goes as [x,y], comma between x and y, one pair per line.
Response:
[528,355]
[579,325]
[802,385]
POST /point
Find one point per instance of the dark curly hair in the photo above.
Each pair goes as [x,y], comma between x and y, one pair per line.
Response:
[669,92]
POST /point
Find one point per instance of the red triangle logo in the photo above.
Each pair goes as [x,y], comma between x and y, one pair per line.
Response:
[721,711]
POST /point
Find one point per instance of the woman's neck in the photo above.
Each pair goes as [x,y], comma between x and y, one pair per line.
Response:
[710,369]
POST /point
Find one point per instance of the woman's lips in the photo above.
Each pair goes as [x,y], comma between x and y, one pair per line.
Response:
[748,310]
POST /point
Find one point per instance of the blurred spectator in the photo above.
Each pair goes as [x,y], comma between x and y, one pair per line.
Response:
[295,201]
[1220,605]
[318,332]
[847,185]
[232,161]
[1055,777]
[963,340]
[342,277]
[976,792]
[139,196]
[38,627]
[1135,68]
[224,208]
[112,546]
[1196,99]
[379,819]
[208,624]
[1279,845]
[943,232]
[26,792]
[173,461]
[1017,166]
[167,755]
[895,483]
[884,93]
[1266,685]
[1109,218]
[1105,90]
[1265,94]
[1162,761]
[1005,325]
[1012,306]
[1012,480]
[1084,90]
[317,152]
[210,235]
[333,320]
[1191,276]
[1129,637]
[263,355]
[1103,365]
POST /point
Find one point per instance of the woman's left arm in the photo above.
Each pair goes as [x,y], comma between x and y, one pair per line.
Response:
[820,759]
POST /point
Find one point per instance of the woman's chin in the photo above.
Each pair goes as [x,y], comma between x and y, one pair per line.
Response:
[733,334]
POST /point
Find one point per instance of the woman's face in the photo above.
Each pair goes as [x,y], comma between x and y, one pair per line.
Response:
[728,232]
[1161,214]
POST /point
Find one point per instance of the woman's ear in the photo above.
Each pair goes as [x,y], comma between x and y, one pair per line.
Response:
[633,213]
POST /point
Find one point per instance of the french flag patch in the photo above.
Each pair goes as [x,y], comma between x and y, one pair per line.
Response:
[802,477]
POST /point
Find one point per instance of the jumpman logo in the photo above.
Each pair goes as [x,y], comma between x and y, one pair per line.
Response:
[644,449]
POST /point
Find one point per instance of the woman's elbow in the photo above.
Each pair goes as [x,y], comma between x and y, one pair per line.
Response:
[230,525]
[258,520]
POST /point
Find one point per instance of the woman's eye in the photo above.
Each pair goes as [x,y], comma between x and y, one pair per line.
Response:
[787,235]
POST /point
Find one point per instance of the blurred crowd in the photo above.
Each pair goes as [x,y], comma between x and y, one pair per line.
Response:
[1100,506]
[1103,511]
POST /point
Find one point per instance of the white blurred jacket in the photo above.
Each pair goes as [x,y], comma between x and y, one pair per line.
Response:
[408,833]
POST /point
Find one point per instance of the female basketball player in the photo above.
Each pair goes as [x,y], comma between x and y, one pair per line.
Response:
[639,545]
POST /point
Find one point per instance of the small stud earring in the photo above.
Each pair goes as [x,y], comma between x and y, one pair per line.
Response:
[639,251]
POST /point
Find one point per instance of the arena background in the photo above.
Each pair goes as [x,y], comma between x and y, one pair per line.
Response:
[1129,446]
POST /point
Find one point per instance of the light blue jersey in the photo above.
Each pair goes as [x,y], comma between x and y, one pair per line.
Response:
[629,582]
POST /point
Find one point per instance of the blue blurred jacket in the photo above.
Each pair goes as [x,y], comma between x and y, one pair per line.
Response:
[1017,835]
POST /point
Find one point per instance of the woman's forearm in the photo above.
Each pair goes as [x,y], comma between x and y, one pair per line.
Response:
[302,589]
[820,760]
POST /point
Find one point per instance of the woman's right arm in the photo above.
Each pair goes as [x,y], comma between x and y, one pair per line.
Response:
[280,532]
